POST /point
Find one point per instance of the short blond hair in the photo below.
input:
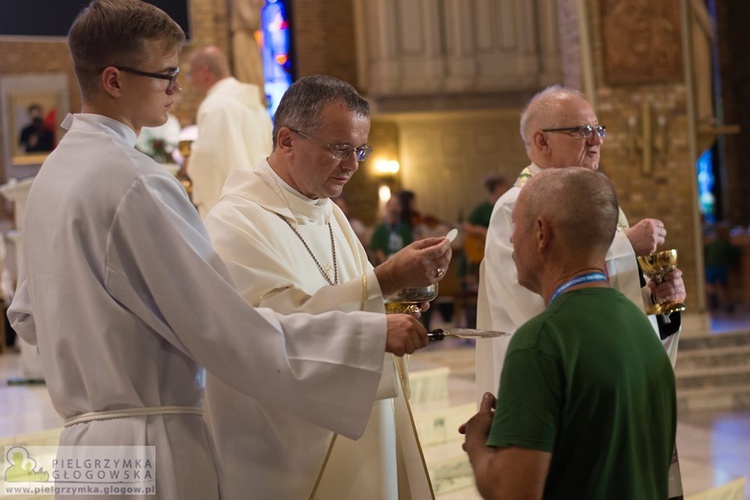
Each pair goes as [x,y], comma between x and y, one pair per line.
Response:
[115,32]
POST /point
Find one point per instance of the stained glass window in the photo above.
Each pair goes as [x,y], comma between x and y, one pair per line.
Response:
[276,43]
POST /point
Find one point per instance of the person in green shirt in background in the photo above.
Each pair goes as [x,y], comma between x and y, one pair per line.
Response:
[392,234]
[720,255]
[475,236]
[478,221]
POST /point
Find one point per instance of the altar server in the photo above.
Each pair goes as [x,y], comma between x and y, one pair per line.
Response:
[125,297]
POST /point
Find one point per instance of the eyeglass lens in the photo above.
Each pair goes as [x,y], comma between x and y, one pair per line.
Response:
[344,152]
[588,130]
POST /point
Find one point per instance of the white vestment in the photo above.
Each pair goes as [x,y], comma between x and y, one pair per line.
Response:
[125,298]
[504,305]
[268,450]
[234,132]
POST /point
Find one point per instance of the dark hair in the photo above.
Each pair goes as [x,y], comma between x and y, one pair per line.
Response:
[490,182]
[408,214]
[35,107]
[302,105]
[115,32]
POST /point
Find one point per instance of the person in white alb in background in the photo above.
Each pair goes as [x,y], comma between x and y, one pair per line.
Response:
[234,128]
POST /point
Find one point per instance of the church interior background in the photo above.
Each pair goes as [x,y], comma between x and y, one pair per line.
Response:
[447,80]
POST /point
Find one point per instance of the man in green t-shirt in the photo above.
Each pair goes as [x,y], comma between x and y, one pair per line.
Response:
[586,406]
[478,221]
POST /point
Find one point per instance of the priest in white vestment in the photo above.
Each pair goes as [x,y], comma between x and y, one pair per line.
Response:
[126,300]
[290,248]
[234,129]
[560,129]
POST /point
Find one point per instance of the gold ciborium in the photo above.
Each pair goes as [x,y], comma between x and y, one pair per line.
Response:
[657,266]
[407,300]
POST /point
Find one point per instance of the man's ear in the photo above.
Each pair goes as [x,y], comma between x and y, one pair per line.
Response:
[542,234]
[110,79]
[284,140]
[540,141]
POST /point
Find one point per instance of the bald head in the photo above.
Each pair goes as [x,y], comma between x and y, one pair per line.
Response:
[207,66]
[544,110]
[579,204]
[558,108]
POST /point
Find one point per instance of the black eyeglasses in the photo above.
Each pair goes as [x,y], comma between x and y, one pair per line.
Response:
[582,131]
[171,76]
[341,152]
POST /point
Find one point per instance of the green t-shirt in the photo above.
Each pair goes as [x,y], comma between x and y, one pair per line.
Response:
[481,214]
[589,381]
[391,238]
[721,253]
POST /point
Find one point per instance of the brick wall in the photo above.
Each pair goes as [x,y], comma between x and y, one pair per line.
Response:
[324,38]
[668,191]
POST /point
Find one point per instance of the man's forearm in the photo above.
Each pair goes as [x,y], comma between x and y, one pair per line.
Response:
[487,483]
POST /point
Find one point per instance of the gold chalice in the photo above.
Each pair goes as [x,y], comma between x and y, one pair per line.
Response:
[407,300]
[185,147]
[657,266]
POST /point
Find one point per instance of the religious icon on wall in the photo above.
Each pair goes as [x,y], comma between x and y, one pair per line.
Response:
[34,120]
[642,41]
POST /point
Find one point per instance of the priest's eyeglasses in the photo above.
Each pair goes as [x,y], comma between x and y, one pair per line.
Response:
[171,76]
[582,131]
[341,152]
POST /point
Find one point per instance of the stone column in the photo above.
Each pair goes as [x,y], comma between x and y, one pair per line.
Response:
[637,82]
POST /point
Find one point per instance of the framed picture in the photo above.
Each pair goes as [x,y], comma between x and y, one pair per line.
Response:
[34,119]
[32,108]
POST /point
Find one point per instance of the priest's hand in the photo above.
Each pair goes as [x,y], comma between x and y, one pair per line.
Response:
[672,289]
[417,265]
[405,334]
[646,236]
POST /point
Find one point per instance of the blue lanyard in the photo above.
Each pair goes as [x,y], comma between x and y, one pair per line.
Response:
[583,278]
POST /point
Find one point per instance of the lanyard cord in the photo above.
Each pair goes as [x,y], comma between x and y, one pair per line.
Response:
[583,278]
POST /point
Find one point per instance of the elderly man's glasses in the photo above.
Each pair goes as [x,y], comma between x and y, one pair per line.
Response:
[582,131]
[171,76]
[341,152]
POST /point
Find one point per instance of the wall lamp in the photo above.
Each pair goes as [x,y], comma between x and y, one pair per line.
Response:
[386,171]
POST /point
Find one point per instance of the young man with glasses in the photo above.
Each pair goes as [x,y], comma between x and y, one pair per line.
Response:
[560,129]
[290,248]
[234,128]
[126,299]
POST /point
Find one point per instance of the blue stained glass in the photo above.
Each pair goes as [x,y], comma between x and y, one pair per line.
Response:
[277,60]
[707,200]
